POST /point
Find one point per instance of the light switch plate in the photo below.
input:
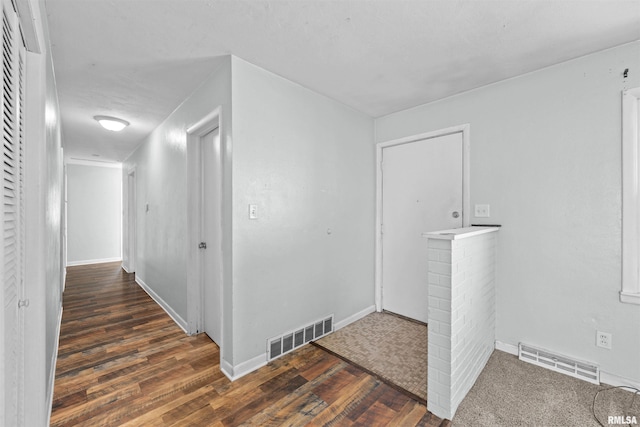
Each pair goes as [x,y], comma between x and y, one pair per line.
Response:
[482,211]
[253,211]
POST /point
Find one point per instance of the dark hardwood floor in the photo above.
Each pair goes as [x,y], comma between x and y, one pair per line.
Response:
[123,362]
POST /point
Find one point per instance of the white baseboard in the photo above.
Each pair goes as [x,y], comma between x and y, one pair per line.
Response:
[126,268]
[92,261]
[244,368]
[605,377]
[166,307]
[359,315]
[52,373]
[226,368]
[507,348]
[615,380]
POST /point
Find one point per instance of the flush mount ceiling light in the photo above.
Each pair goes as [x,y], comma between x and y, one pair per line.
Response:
[111,123]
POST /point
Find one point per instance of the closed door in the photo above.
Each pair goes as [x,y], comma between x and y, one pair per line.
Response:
[211,234]
[421,191]
[12,295]
[131,221]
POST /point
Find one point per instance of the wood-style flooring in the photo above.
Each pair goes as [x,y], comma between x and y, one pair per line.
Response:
[122,361]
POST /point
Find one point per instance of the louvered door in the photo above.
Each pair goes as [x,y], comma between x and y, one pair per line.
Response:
[12,104]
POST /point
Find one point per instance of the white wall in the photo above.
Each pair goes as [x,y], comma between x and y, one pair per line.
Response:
[308,163]
[94,213]
[546,155]
[161,183]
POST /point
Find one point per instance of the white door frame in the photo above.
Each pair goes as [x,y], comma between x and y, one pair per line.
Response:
[195,289]
[466,211]
[130,229]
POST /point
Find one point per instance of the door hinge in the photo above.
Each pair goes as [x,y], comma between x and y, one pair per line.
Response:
[202,245]
[23,303]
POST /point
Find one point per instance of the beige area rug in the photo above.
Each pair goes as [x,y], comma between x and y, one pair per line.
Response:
[509,392]
[390,347]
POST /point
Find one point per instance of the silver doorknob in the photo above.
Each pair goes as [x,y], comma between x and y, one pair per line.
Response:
[455,214]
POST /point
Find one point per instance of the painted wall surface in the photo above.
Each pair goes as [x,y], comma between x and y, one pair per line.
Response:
[307,162]
[161,184]
[94,213]
[546,155]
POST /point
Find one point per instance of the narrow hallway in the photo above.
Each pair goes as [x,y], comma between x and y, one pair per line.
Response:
[120,355]
[123,361]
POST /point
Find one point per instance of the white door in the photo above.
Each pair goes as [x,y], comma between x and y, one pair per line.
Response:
[421,191]
[211,233]
[131,221]
[12,295]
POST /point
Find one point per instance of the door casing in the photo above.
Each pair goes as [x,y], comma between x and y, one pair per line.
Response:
[466,203]
[195,289]
[130,223]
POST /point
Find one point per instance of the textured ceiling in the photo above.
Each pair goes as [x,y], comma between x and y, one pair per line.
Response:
[139,59]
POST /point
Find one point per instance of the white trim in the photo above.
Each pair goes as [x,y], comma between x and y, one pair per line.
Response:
[194,269]
[630,291]
[244,368]
[129,227]
[93,261]
[54,361]
[465,129]
[357,316]
[227,368]
[27,19]
[166,307]
[617,381]
[97,163]
[507,348]
[631,298]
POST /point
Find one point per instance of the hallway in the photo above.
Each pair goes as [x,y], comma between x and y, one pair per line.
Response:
[123,362]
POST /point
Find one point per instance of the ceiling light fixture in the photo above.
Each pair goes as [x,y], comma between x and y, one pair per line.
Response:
[111,123]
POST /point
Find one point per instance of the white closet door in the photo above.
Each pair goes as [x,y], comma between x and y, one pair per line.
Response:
[12,104]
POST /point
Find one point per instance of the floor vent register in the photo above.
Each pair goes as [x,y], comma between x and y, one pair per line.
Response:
[563,364]
[283,344]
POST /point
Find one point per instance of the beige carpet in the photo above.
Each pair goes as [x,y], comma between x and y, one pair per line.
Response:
[509,392]
[390,347]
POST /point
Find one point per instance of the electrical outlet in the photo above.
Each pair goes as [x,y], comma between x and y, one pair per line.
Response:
[482,211]
[603,339]
[253,211]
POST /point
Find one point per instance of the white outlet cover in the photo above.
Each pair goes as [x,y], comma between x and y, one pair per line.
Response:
[603,339]
[482,211]
[253,211]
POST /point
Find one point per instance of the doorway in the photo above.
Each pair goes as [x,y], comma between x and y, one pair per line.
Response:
[422,186]
[129,252]
[205,252]
[210,229]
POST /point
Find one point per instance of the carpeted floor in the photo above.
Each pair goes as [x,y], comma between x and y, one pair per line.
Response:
[391,347]
[509,392]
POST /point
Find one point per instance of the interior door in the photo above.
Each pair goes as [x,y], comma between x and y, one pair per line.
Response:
[12,296]
[211,233]
[131,221]
[421,191]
